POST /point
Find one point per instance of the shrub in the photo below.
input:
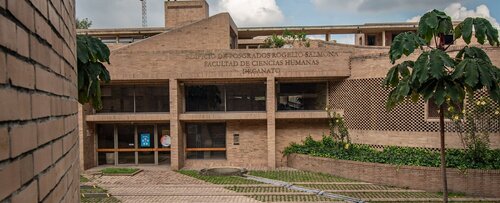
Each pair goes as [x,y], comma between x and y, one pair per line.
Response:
[410,156]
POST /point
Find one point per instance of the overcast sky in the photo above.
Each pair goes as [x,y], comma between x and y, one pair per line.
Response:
[127,13]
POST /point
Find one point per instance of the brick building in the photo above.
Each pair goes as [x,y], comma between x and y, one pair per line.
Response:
[39,150]
[202,92]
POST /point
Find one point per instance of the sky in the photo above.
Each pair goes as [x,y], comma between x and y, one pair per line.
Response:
[248,13]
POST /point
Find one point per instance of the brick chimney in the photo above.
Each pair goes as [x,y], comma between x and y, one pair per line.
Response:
[179,13]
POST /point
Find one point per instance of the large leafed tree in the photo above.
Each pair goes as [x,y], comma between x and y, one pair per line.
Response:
[91,54]
[435,75]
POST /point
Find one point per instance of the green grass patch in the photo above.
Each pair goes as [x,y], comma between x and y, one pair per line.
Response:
[83,179]
[453,194]
[261,189]
[120,171]
[220,180]
[99,200]
[92,190]
[403,156]
[290,198]
[298,176]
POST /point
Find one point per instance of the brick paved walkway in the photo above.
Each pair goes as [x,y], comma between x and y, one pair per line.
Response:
[160,184]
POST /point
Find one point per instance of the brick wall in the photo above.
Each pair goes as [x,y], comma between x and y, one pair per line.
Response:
[38,140]
[484,183]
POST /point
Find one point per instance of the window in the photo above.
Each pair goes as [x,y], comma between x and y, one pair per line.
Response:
[372,39]
[226,97]
[432,110]
[449,39]
[135,144]
[205,98]
[206,140]
[301,96]
[135,98]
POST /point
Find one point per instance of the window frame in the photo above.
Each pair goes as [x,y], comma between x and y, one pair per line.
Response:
[278,83]
[205,149]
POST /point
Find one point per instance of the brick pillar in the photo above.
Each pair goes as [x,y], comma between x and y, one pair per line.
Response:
[38,102]
[88,157]
[271,122]
[177,147]
[383,39]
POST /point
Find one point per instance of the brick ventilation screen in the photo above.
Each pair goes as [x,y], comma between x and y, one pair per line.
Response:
[363,102]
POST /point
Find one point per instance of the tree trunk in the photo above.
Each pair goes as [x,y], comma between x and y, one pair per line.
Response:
[443,153]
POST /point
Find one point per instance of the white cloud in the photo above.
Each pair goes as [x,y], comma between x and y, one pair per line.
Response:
[459,12]
[251,12]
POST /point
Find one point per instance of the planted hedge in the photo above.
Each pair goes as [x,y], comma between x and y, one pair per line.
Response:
[410,156]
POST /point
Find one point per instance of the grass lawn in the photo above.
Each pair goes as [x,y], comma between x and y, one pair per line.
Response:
[92,199]
[119,171]
[298,176]
[220,180]
[83,179]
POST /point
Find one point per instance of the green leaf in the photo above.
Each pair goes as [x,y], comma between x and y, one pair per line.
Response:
[432,20]
[485,75]
[420,71]
[91,53]
[391,80]
[439,94]
[471,73]
[480,30]
[459,70]
[404,43]
[466,29]
[437,67]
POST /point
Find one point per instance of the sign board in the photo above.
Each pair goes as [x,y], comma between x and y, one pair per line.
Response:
[145,140]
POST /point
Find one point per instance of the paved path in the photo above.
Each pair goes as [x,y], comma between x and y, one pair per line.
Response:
[158,184]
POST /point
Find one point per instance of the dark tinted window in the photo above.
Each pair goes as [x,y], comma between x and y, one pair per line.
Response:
[135,98]
[246,97]
[117,99]
[105,136]
[371,40]
[205,135]
[226,97]
[126,135]
[205,98]
[301,96]
[151,99]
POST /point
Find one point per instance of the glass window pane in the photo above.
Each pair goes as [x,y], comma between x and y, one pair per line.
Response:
[301,96]
[126,136]
[204,98]
[145,136]
[152,98]
[146,157]
[107,158]
[126,157]
[246,97]
[105,136]
[206,135]
[164,139]
[163,157]
[117,99]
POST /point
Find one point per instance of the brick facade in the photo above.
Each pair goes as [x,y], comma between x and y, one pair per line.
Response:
[202,51]
[483,183]
[38,137]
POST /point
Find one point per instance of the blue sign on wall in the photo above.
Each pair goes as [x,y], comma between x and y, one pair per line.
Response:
[145,140]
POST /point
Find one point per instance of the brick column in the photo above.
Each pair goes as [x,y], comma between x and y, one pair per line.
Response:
[177,147]
[271,122]
[383,39]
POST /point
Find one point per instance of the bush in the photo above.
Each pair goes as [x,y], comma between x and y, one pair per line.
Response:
[410,156]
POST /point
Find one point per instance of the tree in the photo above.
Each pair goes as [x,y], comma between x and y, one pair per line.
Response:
[91,54]
[84,23]
[437,76]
